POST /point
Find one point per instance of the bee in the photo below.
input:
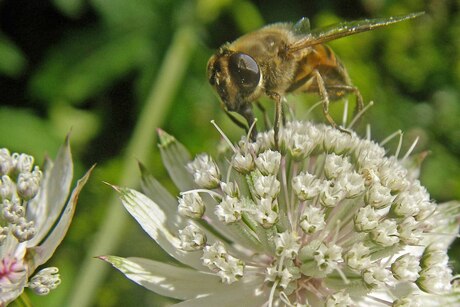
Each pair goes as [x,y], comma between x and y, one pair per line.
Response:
[285,58]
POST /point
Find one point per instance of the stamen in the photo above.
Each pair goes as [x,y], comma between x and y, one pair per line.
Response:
[345,113]
[210,192]
[390,137]
[360,113]
[398,150]
[223,135]
[250,129]
[368,132]
[272,293]
[410,149]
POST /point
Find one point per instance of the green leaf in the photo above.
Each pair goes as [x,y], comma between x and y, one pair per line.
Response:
[122,13]
[71,8]
[12,61]
[22,131]
[88,64]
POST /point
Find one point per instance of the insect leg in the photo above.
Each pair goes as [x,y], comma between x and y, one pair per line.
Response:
[350,89]
[278,112]
[325,96]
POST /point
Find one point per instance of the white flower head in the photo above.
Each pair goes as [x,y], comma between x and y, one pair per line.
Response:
[326,219]
[36,212]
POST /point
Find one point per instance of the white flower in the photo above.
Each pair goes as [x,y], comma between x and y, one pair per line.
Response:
[36,212]
[191,205]
[327,220]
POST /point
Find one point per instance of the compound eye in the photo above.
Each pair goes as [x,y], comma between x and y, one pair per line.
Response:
[244,71]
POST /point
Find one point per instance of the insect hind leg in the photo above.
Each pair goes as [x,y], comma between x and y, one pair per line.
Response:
[349,89]
[323,92]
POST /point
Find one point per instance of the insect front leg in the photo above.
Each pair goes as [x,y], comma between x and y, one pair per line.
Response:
[278,115]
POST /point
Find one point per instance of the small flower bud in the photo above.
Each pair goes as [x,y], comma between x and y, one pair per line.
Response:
[191,205]
[336,165]
[405,205]
[268,162]
[229,210]
[378,196]
[230,189]
[3,233]
[24,230]
[406,268]
[192,238]
[358,257]
[266,213]
[205,172]
[375,277]
[339,299]
[23,163]
[7,187]
[300,146]
[217,259]
[6,161]
[243,162]
[28,184]
[287,244]
[366,219]
[337,141]
[12,210]
[306,186]
[44,281]
[266,186]
[331,194]
[352,183]
[386,233]
[312,220]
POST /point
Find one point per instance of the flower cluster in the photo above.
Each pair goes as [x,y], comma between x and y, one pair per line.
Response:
[324,219]
[34,218]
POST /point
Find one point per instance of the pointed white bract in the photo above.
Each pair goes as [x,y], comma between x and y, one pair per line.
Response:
[325,220]
[36,212]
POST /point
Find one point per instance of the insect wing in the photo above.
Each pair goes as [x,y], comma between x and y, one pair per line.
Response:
[302,26]
[335,31]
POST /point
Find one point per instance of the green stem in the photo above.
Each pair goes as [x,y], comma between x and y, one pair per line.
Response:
[109,236]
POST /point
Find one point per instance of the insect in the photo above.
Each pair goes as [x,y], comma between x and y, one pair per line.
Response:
[285,58]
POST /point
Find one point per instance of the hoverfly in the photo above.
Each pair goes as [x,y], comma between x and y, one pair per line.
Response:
[285,58]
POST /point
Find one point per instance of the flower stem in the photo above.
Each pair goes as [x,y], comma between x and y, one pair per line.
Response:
[109,236]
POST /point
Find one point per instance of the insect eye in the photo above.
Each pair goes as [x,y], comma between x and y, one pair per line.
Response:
[244,71]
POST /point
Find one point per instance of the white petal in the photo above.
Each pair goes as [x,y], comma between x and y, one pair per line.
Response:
[153,220]
[241,293]
[156,192]
[46,249]
[165,279]
[175,158]
[46,207]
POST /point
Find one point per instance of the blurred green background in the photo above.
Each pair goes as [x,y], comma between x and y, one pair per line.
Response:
[113,71]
